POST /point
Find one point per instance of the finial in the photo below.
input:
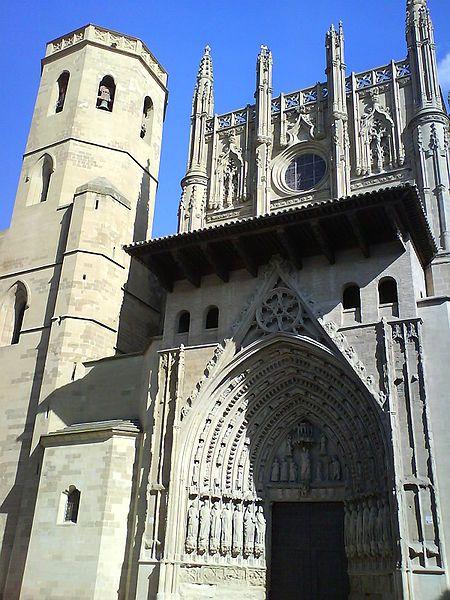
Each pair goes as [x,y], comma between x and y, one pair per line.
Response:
[206,69]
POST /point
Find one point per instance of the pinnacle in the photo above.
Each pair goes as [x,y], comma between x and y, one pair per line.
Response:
[206,67]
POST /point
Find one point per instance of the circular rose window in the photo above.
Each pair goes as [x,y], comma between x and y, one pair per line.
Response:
[305,172]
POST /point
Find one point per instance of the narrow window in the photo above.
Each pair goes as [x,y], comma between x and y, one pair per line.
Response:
[184,322]
[72,504]
[106,93]
[147,118]
[39,179]
[12,312]
[47,170]
[387,291]
[63,82]
[212,318]
[351,297]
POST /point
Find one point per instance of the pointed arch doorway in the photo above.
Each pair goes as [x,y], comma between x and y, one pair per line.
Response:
[284,440]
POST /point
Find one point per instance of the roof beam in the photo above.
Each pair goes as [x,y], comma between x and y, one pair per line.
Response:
[215,259]
[191,273]
[396,223]
[165,278]
[290,246]
[322,239]
[242,251]
[359,234]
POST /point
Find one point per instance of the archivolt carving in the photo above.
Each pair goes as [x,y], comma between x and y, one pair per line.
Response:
[285,419]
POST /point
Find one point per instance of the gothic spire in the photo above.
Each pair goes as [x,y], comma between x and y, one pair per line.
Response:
[203,100]
[195,182]
[422,54]
[205,70]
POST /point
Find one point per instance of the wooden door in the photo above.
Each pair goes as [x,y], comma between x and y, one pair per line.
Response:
[308,560]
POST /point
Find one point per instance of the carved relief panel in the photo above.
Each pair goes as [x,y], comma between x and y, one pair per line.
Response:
[305,458]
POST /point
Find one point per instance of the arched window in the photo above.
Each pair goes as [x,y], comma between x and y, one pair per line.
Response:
[40,179]
[212,318]
[184,322]
[351,297]
[106,93]
[72,504]
[63,82]
[147,118]
[387,291]
[12,312]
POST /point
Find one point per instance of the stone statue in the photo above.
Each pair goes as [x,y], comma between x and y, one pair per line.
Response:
[359,531]
[305,464]
[219,459]
[249,531]
[198,453]
[205,525]
[289,445]
[275,474]
[319,470]
[372,527]
[240,477]
[284,471]
[366,528]
[386,529]
[237,530]
[195,473]
[214,538]
[292,471]
[323,445]
[260,532]
[379,528]
[335,469]
[192,529]
[226,529]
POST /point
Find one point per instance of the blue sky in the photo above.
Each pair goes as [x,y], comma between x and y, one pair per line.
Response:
[176,31]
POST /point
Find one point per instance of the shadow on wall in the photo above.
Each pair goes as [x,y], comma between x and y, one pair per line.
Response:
[22,497]
[143,299]
[445,595]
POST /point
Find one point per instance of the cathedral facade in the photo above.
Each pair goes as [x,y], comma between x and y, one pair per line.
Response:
[257,406]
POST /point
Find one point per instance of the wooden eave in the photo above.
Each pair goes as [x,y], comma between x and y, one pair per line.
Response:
[323,228]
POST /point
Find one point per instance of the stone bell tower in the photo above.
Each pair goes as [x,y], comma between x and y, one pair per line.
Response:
[87,188]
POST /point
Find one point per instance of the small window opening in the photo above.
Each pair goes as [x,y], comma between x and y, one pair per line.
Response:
[351,297]
[212,318]
[184,322]
[72,505]
[63,82]
[106,93]
[387,291]
[12,312]
[147,117]
[47,170]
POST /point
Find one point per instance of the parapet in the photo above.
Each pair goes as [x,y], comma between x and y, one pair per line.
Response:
[111,39]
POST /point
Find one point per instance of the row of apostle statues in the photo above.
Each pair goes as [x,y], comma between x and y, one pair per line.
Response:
[367,528]
[225,527]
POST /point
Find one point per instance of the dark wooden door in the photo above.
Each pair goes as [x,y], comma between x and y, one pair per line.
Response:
[308,559]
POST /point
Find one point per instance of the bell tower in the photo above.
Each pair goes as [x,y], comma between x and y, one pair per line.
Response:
[87,188]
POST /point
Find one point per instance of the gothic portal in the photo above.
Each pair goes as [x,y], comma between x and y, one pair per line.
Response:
[255,407]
